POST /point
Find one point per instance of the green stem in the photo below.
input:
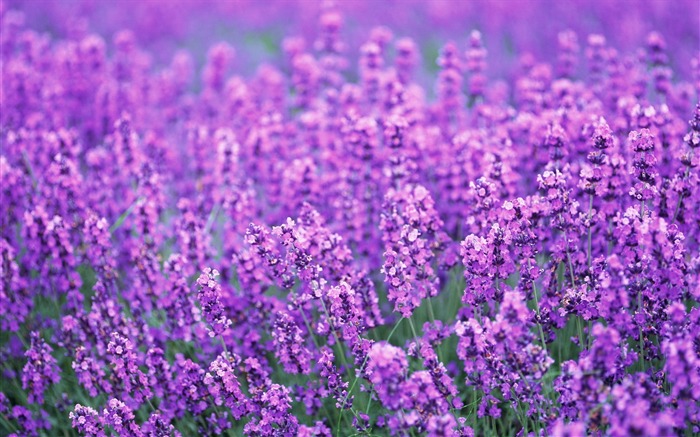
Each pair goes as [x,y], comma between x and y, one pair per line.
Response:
[318,347]
[308,328]
[364,362]
[410,430]
[212,218]
[641,332]
[680,198]
[343,359]
[223,343]
[580,332]
[571,265]
[413,328]
[30,170]
[678,208]
[431,315]
[125,214]
[537,307]
[391,334]
[590,230]
[153,409]
[369,402]
[9,422]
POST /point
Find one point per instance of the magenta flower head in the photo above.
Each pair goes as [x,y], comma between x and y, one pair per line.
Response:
[692,138]
[90,372]
[289,345]
[568,53]
[121,418]
[331,22]
[449,85]
[406,59]
[476,64]
[209,297]
[41,370]
[219,59]
[596,55]
[412,234]
[371,71]
[275,418]
[643,165]
[87,421]
[386,368]
[223,385]
[658,60]
[15,299]
[157,426]
[125,364]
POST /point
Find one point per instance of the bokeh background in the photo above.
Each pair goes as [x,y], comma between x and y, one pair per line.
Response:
[257,27]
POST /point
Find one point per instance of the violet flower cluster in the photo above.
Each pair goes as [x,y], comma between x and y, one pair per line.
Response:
[374,230]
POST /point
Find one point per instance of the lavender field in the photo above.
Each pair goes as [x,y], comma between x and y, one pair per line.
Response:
[350,218]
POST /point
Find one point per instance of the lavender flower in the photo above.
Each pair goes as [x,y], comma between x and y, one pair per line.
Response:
[87,421]
[275,418]
[476,65]
[415,236]
[157,427]
[125,366]
[41,370]
[644,163]
[90,373]
[289,344]
[15,302]
[386,367]
[224,387]
[411,232]
[209,297]
[121,419]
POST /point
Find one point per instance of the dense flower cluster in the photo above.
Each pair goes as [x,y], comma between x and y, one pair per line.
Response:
[41,370]
[365,233]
